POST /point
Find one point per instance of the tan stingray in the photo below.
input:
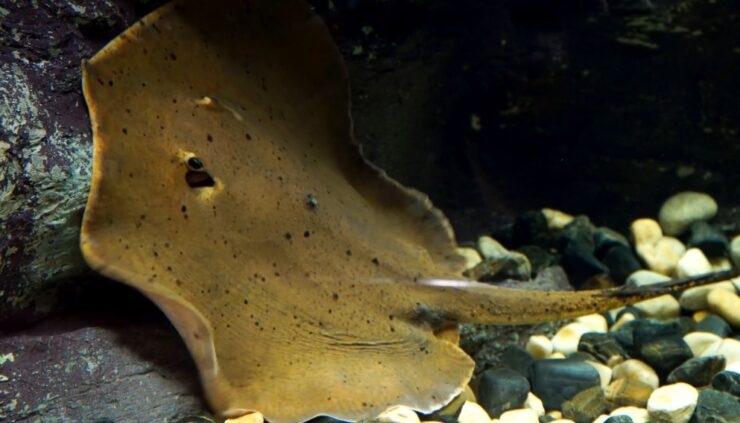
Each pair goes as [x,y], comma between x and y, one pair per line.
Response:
[227,189]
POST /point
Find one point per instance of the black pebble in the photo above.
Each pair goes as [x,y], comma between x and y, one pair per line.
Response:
[714,324]
[697,371]
[727,381]
[665,354]
[619,419]
[710,240]
[500,390]
[603,346]
[555,381]
[716,407]
[517,359]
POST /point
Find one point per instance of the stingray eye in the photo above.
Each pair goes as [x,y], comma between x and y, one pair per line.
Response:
[195,163]
[196,177]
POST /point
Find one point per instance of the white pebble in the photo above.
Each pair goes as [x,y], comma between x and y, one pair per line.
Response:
[539,346]
[673,403]
[727,305]
[562,421]
[644,277]
[728,347]
[693,263]
[556,356]
[700,315]
[473,413]
[663,255]
[520,415]
[605,372]
[645,231]
[491,249]
[696,298]
[698,342]
[634,369]
[556,219]
[682,209]
[566,339]
[596,322]
[398,414]
[471,256]
[662,308]
[720,264]
[534,403]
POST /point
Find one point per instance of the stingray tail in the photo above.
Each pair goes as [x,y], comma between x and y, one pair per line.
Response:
[473,302]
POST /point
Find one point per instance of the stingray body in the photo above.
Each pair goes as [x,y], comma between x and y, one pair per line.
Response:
[227,188]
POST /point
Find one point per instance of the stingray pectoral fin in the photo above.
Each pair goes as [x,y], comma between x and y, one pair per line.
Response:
[461,301]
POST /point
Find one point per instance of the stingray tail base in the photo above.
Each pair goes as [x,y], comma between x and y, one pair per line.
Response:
[473,302]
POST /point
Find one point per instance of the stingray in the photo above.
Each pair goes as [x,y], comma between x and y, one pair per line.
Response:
[227,189]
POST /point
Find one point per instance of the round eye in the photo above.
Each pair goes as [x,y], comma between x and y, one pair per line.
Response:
[194,163]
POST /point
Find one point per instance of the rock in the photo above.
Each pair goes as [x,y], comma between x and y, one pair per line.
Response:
[637,414]
[567,338]
[539,346]
[693,263]
[500,390]
[623,392]
[595,322]
[531,228]
[681,210]
[636,370]
[645,232]
[715,406]
[517,359]
[538,257]
[471,256]
[661,308]
[619,419]
[605,372]
[735,250]
[665,354]
[727,381]
[535,404]
[555,381]
[710,240]
[499,263]
[714,324]
[673,403]
[728,347]
[585,406]
[522,415]
[645,278]
[398,414]
[114,368]
[473,413]
[621,262]
[605,239]
[698,342]
[720,264]
[633,334]
[555,218]
[603,347]
[624,318]
[700,315]
[697,371]
[726,304]
[696,298]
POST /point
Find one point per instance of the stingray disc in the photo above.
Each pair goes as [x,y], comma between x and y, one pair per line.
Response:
[226,188]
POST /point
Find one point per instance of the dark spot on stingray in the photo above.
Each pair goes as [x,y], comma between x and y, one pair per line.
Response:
[249,137]
[174,100]
[306,234]
[246,301]
[209,137]
[348,252]
[125,131]
[100,81]
[110,82]
[183,208]
[375,261]
[143,84]
[130,175]
[199,179]
[288,236]
[335,296]
[172,56]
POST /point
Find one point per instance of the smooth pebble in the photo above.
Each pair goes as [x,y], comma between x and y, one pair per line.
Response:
[693,263]
[605,372]
[735,250]
[521,415]
[534,403]
[645,278]
[539,346]
[681,210]
[556,219]
[255,417]
[727,305]
[661,308]
[471,256]
[673,403]
[566,339]
[728,347]
[596,322]
[634,369]
[638,414]
[398,414]
[473,413]
[700,341]
[696,298]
